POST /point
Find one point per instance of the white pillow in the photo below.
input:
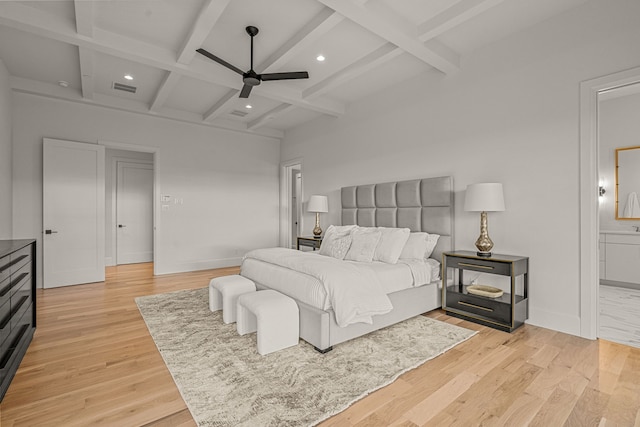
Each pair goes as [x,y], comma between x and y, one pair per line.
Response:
[432,241]
[363,244]
[336,241]
[390,245]
[416,246]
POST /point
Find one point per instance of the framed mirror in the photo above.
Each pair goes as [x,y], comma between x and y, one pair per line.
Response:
[628,183]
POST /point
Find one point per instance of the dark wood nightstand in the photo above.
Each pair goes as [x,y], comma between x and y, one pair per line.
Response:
[506,312]
[313,242]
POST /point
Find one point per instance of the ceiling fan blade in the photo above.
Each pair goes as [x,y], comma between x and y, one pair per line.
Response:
[219,61]
[284,76]
[246,90]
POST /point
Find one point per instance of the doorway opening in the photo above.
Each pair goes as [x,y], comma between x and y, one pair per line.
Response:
[589,194]
[291,196]
[129,219]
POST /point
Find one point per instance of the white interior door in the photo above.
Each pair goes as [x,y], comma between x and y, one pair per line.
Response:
[134,213]
[73,213]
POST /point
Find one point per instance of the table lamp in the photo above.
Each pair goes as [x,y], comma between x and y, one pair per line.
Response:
[318,204]
[483,198]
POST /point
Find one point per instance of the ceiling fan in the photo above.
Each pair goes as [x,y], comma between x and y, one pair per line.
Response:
[251,78]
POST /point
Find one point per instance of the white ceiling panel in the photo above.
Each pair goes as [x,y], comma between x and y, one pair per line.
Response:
[63,10]
[416,11]
[165,23]
[342,46]
[259,106]
[194,95]
[109,69]
[37,58]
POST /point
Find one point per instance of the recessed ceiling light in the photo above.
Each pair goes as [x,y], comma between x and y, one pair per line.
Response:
[128,76]
[248,106]
[63,83]
[320,58]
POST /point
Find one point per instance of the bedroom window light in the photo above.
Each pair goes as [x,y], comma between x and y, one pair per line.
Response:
[483,198]
[318,204]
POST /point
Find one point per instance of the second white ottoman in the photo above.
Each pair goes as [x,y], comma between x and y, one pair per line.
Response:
[273,315]
[224,292]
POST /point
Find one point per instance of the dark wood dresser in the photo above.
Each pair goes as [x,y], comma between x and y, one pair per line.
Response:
[17,305]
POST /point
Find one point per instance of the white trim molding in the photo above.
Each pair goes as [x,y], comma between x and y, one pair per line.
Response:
[589,221]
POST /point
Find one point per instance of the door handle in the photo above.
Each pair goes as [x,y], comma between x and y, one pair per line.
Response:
[121,226]
[50,232]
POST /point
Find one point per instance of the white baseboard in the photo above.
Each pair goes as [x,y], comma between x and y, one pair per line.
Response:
[109,262]
[555,321]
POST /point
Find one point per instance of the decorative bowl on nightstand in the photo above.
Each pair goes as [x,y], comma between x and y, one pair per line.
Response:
[485,291]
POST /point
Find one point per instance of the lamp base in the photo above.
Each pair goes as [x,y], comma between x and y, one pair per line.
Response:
[317,231]
[484,254]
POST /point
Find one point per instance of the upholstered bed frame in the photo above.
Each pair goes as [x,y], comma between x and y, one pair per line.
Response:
[420,205]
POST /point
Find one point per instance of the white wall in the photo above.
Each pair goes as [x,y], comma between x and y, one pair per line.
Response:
[5,155]
[510,115]
[112,157]
[618,127]
[228,181]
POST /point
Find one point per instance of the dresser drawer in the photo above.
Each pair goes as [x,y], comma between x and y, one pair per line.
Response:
[22,306]
[501,268]
[8,348]
[5,268]
[17,281]
[20,258]
[5,317]
[485,307]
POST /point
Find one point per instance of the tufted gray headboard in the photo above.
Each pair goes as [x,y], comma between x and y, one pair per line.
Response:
[420,205]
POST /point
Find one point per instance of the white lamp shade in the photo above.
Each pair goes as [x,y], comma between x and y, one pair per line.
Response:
[318,204]
[487,197]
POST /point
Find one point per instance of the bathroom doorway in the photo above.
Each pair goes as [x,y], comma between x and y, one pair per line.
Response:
[619,214]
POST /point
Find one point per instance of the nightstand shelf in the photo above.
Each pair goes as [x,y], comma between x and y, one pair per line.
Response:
[312,242]
[507,312]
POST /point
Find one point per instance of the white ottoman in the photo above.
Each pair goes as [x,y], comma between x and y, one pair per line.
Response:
[273,315]
[224,292]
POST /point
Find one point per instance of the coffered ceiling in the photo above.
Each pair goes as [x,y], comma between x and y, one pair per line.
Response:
[368,46]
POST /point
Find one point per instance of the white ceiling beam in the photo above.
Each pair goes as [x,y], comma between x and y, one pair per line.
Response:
[269,115]
[453,16]
[321,24]
[29,19]
[207,18]
[221,107]
[84,17]
[50,90]
[84,27]
[86,71]
[381,25]
[166,87]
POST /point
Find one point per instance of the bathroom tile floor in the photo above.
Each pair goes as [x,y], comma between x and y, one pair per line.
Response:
[620,315]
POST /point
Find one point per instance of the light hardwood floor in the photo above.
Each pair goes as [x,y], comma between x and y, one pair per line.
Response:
[92,362]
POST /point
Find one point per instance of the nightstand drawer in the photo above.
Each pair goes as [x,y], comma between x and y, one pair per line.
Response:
[491,309]
[493,267]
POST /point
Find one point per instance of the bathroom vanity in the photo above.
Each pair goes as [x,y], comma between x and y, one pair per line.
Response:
[620,256]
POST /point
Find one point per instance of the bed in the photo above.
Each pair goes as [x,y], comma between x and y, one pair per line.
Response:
[422,205]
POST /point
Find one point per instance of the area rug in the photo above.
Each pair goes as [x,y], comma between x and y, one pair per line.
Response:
[225,382]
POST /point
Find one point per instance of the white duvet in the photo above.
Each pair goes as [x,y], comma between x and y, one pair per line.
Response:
[354,290]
